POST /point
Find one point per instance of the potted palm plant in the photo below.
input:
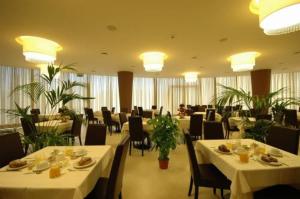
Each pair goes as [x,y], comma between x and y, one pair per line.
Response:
[56,93]
[164,137]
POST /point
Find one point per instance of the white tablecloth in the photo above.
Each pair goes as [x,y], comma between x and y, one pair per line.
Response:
[217,116]
[70,185]
[252,176]
[298,116]
[115,117]
[146,127]
[51,125]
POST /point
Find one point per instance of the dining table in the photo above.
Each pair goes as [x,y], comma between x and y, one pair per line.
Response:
[218,117]
[73,183]
[114,116]
[146,127]
[246,178]
[57,126]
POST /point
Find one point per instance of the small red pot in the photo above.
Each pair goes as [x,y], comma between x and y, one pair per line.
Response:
[163,164]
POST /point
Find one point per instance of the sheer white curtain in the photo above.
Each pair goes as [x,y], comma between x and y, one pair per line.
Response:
[226,81]
[289,81]
[143,92]
[105,90]
[192,93]
[77,105]
[207,90]
[10,77]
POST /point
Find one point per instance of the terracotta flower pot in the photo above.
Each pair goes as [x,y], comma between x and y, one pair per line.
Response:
[163,164]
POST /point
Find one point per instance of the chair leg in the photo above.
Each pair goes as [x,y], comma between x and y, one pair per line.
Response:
[130,143]
[120,195]
[191,186]
[143,148]
[214,191]
[222,193]
[80,140]
[196,192]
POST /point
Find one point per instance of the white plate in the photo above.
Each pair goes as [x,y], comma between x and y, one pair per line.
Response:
[17,168]
[275,154]
[222,152]
[270,163]
[76,166]
[80,153]
[41,169]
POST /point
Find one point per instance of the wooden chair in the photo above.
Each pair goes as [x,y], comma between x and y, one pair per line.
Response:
[264,117]
[76,129]
[123,118]
[137,134]
[111,188]
[113,110]
[195,129]
[284,138]
[290,118]
[228,128]
[209,106]
[29,130]
[10,148]
[204,175]
[140,111]
[90,116]
[104,108]
[213,130]
[210,114]
[154,107]
[35,111]
[147,114]
[95,134]
[109,123]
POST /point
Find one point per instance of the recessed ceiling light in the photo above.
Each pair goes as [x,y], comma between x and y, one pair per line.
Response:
[172,36]
[194,57]
[297,53]
[104,53]
[111,28]
[224,39]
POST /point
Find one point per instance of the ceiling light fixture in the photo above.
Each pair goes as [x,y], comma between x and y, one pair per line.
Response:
[277,16]
[243,61]
[190,77]
[153,61]
[38,50]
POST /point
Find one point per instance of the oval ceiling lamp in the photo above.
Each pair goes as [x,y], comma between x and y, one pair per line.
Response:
[243,61]
[277,16]
[38,50]
[191,77]
[153,61]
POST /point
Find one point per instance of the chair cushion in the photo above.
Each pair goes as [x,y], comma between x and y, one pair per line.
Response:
[278,192]
[99,190]
[210,176]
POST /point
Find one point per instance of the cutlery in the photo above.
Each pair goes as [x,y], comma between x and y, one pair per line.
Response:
[69,169]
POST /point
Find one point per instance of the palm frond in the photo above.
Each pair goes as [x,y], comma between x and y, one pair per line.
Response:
[34,90]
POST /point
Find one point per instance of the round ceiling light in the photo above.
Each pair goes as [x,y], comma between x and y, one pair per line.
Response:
[277,16]
[191,77]
[153,61]
[243,61]
[38,50]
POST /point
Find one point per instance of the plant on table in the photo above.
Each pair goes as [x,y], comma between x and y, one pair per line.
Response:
[164,136]
[56,93]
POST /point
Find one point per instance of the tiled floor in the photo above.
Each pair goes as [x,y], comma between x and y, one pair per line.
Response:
[144,180]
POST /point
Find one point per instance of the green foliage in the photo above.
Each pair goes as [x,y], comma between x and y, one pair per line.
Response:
[260,104]
[258,131]
[164,136]
[43,139]
[60,95]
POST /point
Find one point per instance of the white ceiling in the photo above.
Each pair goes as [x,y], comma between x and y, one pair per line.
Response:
[80,26]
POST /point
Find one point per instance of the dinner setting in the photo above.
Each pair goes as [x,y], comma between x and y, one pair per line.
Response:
[150,99]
